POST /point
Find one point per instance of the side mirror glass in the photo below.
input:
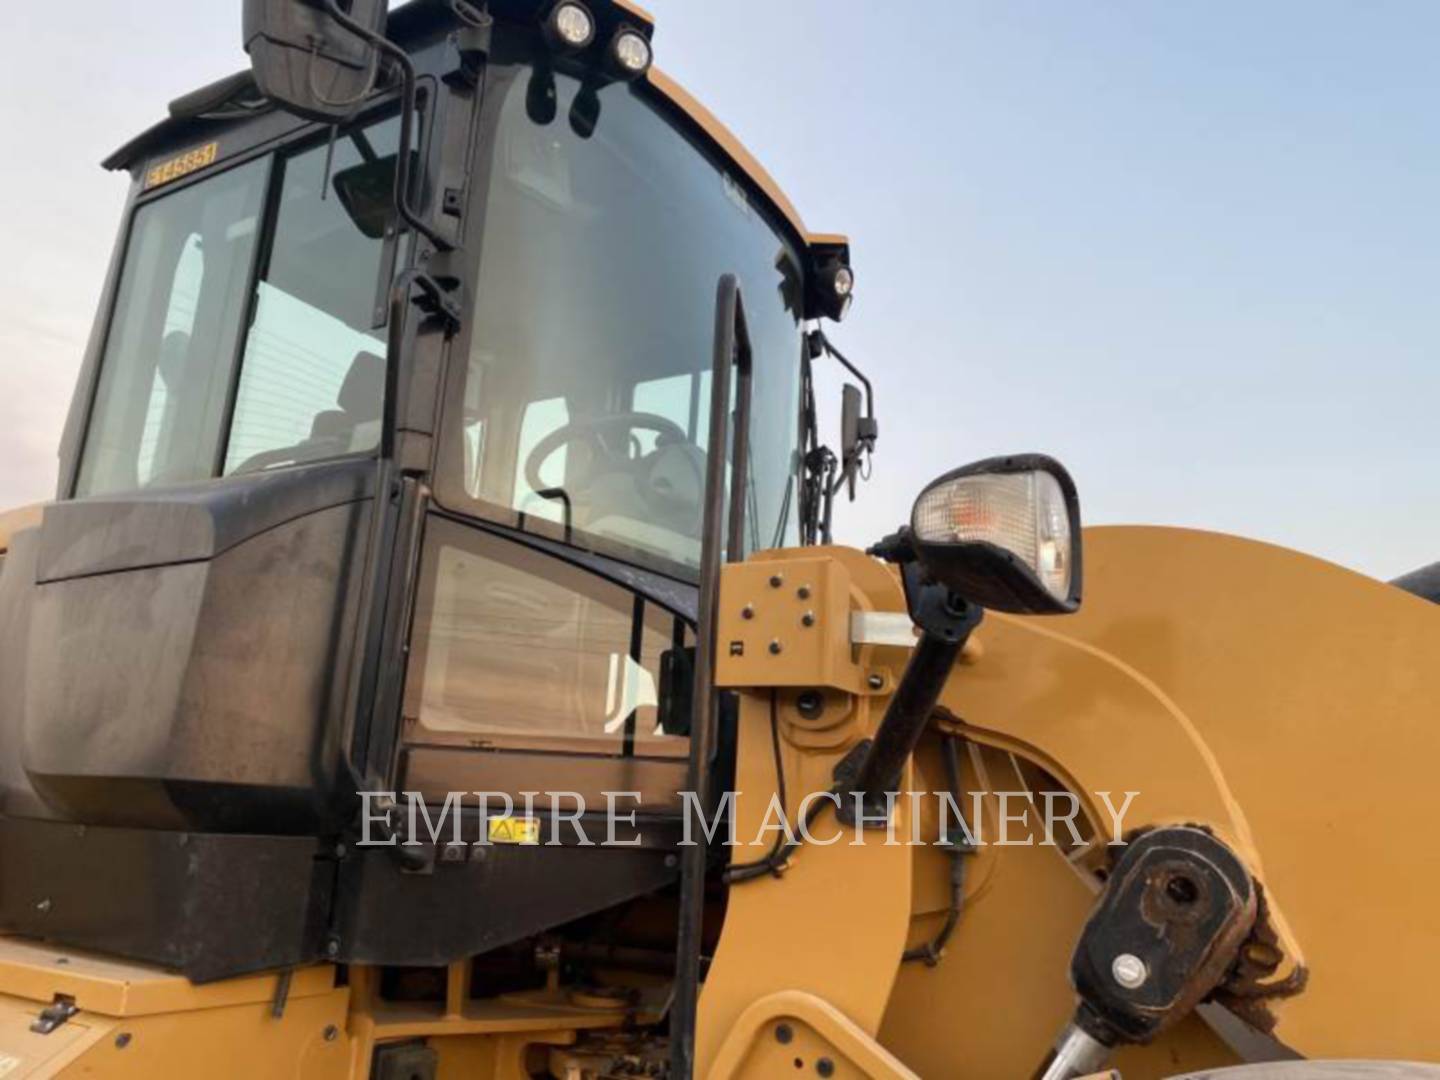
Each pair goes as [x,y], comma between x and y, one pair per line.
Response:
[367,192]
[1003,533]
[306,61]
[851,404]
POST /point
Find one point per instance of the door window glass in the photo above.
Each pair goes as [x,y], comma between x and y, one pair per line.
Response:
[514,648]
[168,359]
[312,384]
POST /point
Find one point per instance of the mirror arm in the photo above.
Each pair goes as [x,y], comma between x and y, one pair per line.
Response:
[867,437]
[946,622]
[408,99]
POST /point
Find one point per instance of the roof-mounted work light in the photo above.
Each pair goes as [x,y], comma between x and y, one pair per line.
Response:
[569,27]
[835,288]
[629,54]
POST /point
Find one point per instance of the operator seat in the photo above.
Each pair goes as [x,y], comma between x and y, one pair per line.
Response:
[352,428]
[1424,582]
[355,424]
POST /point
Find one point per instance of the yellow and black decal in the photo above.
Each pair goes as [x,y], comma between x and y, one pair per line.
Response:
[174,168]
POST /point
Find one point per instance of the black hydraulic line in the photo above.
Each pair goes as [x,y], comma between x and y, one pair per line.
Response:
[732,350]
[959,851]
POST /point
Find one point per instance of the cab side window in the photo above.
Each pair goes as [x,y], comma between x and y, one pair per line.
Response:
[312,382]
[165,372]
[515,649]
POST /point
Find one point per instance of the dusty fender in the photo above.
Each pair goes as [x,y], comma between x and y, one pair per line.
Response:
[1286,703]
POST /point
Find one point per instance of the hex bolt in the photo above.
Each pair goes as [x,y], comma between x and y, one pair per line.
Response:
[776,580]
[876,681]
[784,1033]
[808,619]
[825,1067]
[1129,971]
[776,648]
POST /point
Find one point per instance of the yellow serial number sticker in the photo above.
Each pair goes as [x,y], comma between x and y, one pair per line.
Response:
[513,830]
[187,163]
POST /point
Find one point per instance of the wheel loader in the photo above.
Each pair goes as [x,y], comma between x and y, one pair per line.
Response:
[435,661]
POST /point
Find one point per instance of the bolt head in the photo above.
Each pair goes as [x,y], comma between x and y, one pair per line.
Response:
[776,647]
[776,581]
[876,682]
[1129,971]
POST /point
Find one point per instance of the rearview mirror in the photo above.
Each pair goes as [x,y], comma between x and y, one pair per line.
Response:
[1003,533]
[367,192]
[304,60]
[851,403]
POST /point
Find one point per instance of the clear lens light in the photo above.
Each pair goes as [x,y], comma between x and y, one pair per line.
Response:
[1024,513]
[632,51]
[573,25]
[844,281]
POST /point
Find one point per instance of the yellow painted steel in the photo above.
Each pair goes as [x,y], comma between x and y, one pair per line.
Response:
[1317,691]
[1003,976]
[833,924]
[140,1022]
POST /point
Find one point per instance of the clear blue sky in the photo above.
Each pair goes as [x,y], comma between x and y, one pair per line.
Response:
[1192,247]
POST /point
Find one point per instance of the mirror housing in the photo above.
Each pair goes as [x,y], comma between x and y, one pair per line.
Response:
[1003,533]
[304,60]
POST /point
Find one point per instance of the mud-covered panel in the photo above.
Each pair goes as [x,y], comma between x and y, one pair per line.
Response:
[210,906]
[17,577]
[201,695]
[188,523]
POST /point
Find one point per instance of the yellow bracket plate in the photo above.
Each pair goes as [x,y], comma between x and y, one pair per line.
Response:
[787,623]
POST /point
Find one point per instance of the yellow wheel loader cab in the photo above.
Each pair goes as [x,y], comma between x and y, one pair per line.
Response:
[434,662]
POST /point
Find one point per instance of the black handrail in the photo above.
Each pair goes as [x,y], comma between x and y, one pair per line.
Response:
[732,350]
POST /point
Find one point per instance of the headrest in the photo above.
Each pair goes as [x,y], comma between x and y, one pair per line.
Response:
[362,394]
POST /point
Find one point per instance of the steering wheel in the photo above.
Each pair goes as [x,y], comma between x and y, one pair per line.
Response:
[648,472]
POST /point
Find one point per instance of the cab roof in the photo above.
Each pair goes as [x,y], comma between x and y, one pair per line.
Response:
[414,19]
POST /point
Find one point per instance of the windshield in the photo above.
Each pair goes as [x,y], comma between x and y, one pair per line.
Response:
[584,407]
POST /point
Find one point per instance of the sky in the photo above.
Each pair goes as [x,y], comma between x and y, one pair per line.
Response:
[1189,247]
